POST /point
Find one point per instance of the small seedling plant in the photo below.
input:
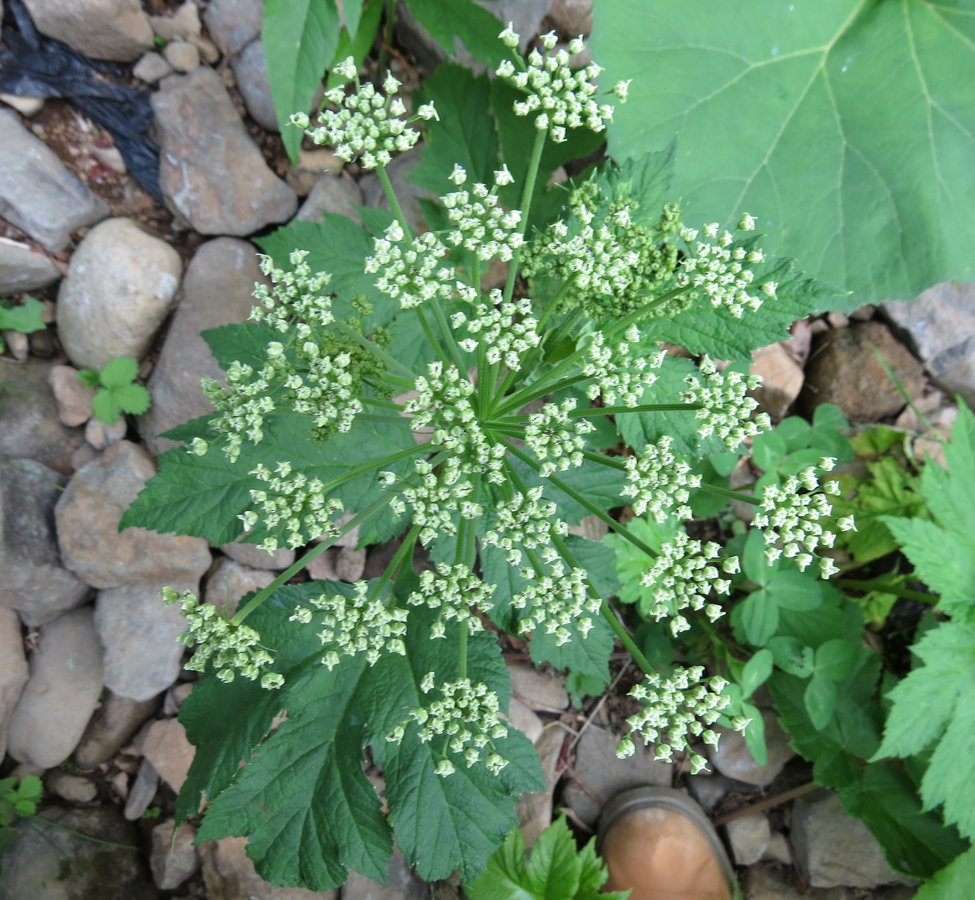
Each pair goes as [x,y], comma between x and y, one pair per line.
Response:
[25,318]
[402,388]
[116,391]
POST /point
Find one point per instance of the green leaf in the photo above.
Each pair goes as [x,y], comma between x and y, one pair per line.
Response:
[952,881]
[132,398]
[477,28]
[356,39]
[934,706]
[587,655]
[870,189]
[506,873]
[820,699]
[300,37]
[756,671]
[835,659]
[105,406]
[302,795]
[759,616]
[119,372]
[25,318]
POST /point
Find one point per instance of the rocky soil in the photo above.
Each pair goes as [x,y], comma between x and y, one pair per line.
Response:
[91,675]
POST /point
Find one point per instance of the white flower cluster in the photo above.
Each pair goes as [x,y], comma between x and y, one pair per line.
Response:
[241,406]
[719,270]
[410,268]
[557,438]
[366,122]
[555,601]
[453,590]
[294,501]
[507,331]
[525,521]
[683,577]
[232,648]
[617,376]
[480,225]
[659,482]
[678,705]
[558,97]
[793,516]
[725,404]
[296,300]
[357,624]
[467,715]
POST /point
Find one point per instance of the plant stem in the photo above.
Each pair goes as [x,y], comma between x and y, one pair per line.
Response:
[527,193]
[405,549]
[378,352]
[393,202]
[730,494]
[878,584]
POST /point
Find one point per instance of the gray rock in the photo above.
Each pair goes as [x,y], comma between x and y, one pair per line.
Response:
[333,194]
[233,23]
[836,849]
[535,809]
[217,290]
[537,690]
[212,175]
[182,56]
[229,581]
[102,29]
[350,564]
[29,422]
[940,329]
[142,792]
[13,670]
[407,193]
[88,514]
[72,788]
[709,789]
[22,269]
[598,774]
[49,863]
[173,857]
[139,634]
[168,751]
[61,692]
[400,884]
[734,760]
[524,719]
[250,69]
[73,396]
[111,727]
[117,259]
[101,436]
[37,193]
[32,577]
[749,837]
[250,555]
[151,68]
[322,567]
[229,874]
[182,25]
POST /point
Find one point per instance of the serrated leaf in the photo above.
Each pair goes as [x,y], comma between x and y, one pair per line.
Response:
[300,37]
[477,28]
[118,372]
[870,190]
[952,881]
[105,406]
[25,318]
[587,655]
[132,398]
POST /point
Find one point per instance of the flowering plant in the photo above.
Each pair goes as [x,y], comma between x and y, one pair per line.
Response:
[416,397]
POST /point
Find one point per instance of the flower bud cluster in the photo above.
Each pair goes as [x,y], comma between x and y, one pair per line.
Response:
[725,404]
[677,705]
[558,97]
[366,122]
[292,501]
[232,648]
[453,590]
[794,518]
[506,331]
[719,270]
[241,406]
[466,715]
[683,577]
[660,482]
[525,521]
[480,225]
[617,376]
[357,624]
[556,601]
[298,299]
[556,438]
[410,268]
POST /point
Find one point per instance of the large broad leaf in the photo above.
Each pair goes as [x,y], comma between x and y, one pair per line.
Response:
[300,37]
[953,881]
[846,126]
[477,28]
[302,795]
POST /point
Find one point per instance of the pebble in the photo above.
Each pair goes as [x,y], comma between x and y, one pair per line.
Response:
[29,422]
[61,691]
[23,269]
[229,581]
[749,837]
[173,858]
[250,70]
[182,56]
[111,727]
[212,174]
[103,29]
[350,564]
[17,344]
[152,68]
[101,435]
[217,290]
[88,515]
[13,670]
[139,632]
[116,259]
[251,555]
[32,578]
[182,25]
[322,567]
[400,884]
[331,194]
[538,690]
[835,849]
[49,863]
[733,759]
[73,396]
[524,719]
[233,23]
[37,192]
[168,751]
[782,378]
[72,788]
[142,792]
[940,328]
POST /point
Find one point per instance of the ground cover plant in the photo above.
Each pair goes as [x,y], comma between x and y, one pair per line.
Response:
[395,383]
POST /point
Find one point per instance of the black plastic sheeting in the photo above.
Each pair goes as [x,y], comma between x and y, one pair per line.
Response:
[32,65]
